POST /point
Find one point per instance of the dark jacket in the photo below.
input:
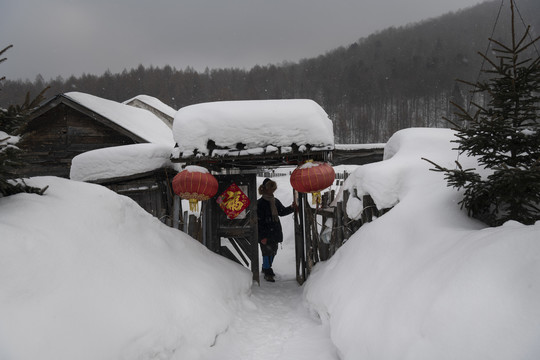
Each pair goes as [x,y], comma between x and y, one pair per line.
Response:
[266,226]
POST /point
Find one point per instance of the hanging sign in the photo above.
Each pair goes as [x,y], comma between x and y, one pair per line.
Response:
[233,201]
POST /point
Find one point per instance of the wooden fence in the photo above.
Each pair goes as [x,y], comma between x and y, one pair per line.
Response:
[321,230]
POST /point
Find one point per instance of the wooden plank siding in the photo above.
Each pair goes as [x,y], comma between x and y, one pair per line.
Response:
[152,191]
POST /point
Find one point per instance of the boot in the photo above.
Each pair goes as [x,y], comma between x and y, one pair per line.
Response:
[268,275]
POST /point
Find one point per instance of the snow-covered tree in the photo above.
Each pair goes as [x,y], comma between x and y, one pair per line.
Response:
[504,135]
[11,120]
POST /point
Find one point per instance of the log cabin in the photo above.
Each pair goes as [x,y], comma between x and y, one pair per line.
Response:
[73,123]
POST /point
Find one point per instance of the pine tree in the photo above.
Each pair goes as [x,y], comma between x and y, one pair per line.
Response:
[11,121]
[504,136]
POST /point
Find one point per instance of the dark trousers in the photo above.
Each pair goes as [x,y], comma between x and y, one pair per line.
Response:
[269,251]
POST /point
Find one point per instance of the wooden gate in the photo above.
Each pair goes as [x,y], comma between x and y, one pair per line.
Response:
[235,238]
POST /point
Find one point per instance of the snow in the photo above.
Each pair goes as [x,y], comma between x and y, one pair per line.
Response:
[138,121]
[389,180]
[359,146]
[155,103]
[196,169]
[309,165]
[424,281]
[87,274]
[120,161]
[262,125]
[276,327]
[7,139]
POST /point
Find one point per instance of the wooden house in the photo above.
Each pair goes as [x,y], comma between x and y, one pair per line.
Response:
[142,172]
[73,123]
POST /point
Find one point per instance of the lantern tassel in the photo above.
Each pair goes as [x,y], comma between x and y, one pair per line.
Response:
[316,198]
[193,205]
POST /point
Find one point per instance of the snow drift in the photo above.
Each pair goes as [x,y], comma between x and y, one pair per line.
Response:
[88,274]
[119,161]
[259,124]
[424,281]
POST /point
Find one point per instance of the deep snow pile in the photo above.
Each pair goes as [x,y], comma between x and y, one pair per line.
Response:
[424,281]
[88,274]
[119,161]
[261,125]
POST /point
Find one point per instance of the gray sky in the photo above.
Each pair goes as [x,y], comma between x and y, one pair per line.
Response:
[65,37]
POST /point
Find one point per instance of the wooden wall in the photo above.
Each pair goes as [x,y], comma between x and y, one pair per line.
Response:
[152,192]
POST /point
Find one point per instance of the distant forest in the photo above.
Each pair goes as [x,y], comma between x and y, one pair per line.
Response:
[397,78]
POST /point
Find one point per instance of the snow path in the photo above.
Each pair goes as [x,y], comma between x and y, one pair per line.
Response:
[276,326]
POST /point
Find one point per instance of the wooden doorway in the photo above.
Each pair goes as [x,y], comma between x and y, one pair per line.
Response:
[235,238]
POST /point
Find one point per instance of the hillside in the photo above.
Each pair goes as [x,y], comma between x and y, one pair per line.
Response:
[396,78]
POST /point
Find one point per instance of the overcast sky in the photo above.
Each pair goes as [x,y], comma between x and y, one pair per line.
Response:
[72,37]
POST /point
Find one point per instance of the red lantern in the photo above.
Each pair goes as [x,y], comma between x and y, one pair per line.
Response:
[195,183]
[313,177]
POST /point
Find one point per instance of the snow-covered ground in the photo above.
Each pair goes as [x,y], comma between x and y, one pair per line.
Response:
[87,274]
[424,281]
[277,326]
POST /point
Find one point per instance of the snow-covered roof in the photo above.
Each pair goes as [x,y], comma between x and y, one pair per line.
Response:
[120,161]
[155,103]
[138,121]
[251,127]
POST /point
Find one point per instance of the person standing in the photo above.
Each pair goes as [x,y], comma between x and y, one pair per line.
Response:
[269,209]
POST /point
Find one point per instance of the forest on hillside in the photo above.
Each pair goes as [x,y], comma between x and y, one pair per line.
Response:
[397,78]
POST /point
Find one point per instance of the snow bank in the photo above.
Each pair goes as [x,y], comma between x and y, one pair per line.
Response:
[6,139]
[120,161]
[88,274]
[424,281]
[139,121]
[403,168]
[256,123]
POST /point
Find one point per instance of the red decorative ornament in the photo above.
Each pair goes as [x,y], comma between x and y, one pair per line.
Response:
[313,177]
[233,201]
[195,184]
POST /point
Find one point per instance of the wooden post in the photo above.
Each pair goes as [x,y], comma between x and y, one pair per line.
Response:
[324,247]
[370,209]
[299,238]
[186,222]
[338,227]
[177,210]
[192,226]
[308,224]
[346,220]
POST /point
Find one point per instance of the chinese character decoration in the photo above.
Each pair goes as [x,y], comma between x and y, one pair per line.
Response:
[233,201]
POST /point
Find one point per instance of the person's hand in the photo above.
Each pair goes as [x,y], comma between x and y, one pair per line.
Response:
[263,241]
[294,206]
